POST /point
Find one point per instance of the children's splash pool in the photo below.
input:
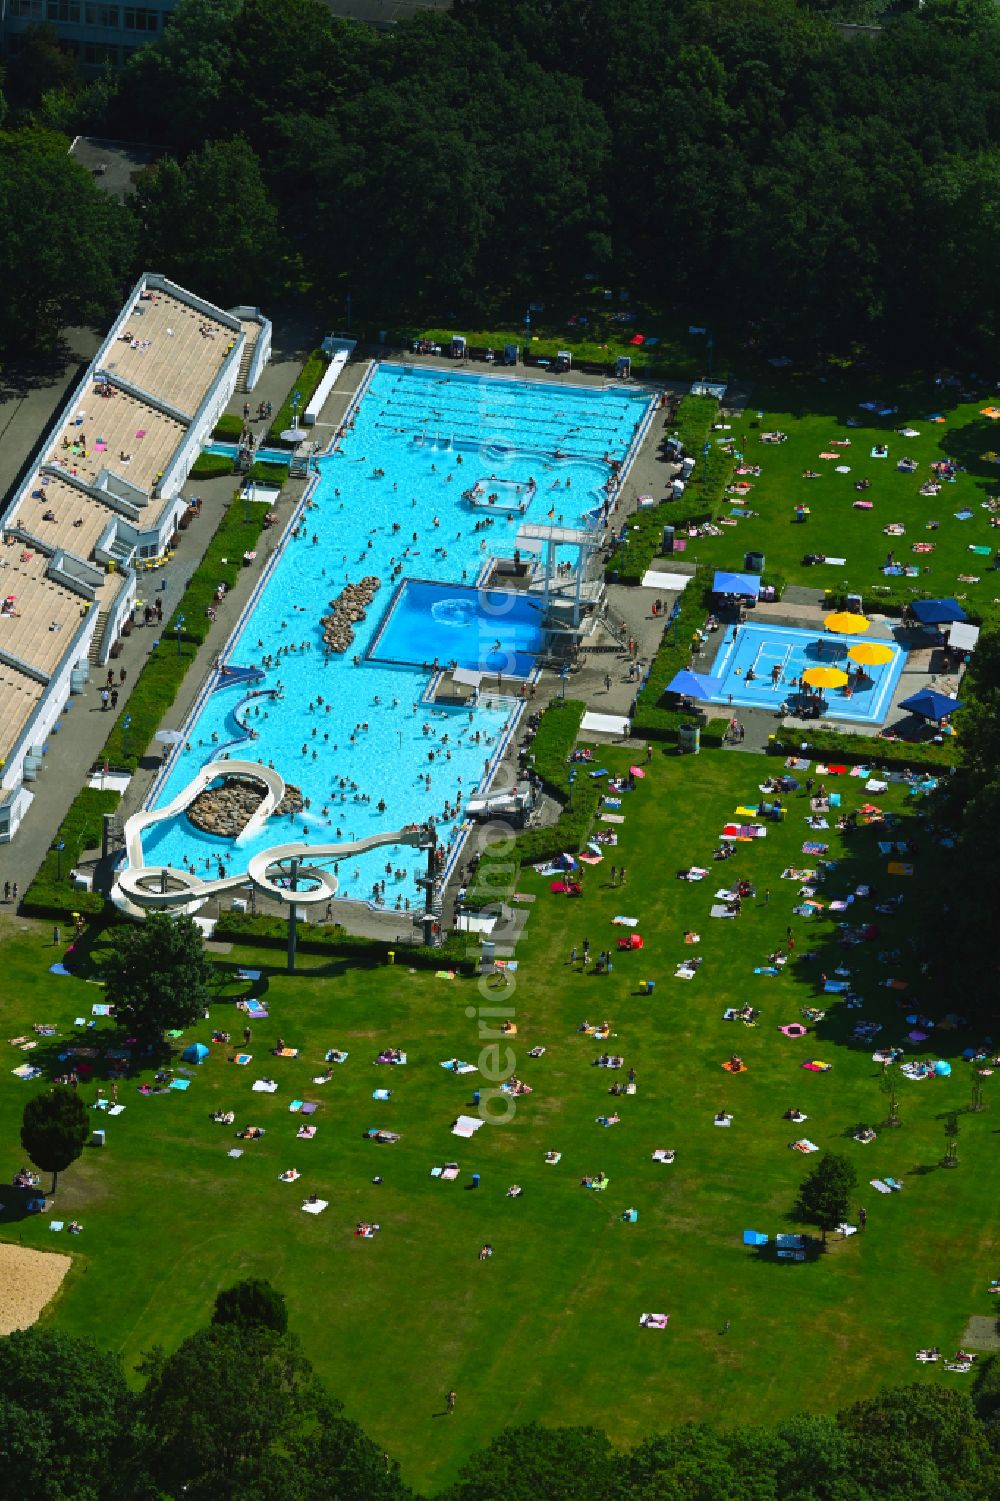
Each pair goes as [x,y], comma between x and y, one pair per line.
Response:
[760,666]
[399,500]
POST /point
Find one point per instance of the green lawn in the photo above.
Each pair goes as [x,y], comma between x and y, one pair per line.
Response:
[813,416]
[548,1328]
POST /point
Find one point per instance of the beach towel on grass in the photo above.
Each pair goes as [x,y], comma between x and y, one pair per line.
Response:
[720,911]
[654,1320]
[625,922]
[612,818]
[811,847]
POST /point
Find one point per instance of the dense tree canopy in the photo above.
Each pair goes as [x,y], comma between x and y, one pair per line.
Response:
[237,1412]
[66,1418]
[746,162]
[156,975]
[64,247]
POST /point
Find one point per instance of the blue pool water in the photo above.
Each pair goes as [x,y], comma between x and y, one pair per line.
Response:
[391,497]
[268,455]
[761,648]
[485,630]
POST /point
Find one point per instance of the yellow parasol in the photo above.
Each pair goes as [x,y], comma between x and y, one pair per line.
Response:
[843,623]
[825,677]
[871,653]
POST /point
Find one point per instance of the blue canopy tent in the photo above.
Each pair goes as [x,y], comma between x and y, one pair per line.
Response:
[930,705]
[195,1052]
[937,611]
[743,584]
[693,685]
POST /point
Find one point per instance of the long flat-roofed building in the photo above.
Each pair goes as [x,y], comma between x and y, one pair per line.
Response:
[103,501]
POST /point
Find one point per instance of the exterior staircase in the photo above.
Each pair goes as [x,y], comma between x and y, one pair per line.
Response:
[97,640]
[253,334]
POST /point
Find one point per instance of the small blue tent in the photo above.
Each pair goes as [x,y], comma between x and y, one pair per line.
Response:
[743,584]
[195,1052]
[694,685]
[929,704]
[937,611]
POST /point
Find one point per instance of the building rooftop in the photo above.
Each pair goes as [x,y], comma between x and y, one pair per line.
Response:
[169,350]
[20,696]
[37,615]
[117,432]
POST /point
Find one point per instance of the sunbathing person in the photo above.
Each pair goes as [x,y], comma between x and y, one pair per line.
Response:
[793,1115]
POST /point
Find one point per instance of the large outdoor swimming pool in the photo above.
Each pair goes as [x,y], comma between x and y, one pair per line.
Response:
[760,648]
[390,502]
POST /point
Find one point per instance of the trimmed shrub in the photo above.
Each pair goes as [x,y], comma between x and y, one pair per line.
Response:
[80,830]
[229,428]
[268,474]
[211,466]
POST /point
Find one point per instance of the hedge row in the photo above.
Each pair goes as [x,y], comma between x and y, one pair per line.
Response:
[80,830]
[161,678]
[650,719]
[895,598]
[331,938]
[222,564]
[497,872]
[859,750]
[696,416]
[556,736]
[305,383]
[155,690]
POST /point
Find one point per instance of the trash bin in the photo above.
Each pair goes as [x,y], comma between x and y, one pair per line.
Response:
[667,545]
[689,739]
[753,562]
[475,1180]
[390,957]
[98,1138]
[649,986]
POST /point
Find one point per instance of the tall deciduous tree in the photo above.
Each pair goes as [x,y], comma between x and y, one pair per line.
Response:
[66,1418]
[210,223]
[54,1129]
[253,1304]
[157,976]
[63,243]
[524,1464]
[825,1194]
[237,1412]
